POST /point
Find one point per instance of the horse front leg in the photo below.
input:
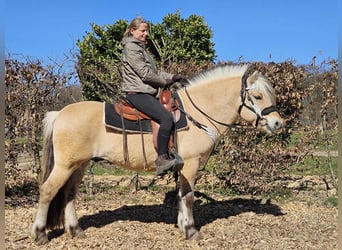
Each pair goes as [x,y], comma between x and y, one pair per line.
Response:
[185,220]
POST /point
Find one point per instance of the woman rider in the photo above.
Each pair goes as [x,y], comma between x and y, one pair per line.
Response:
[141,81]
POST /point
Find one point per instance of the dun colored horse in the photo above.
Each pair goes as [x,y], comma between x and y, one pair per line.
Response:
[213,99]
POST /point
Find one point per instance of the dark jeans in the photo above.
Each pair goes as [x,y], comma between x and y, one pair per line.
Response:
[151,106]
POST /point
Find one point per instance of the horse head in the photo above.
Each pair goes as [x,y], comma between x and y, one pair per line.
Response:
[258,102]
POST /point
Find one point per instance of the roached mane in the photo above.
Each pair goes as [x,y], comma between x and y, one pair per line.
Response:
[222,72]
[218,73]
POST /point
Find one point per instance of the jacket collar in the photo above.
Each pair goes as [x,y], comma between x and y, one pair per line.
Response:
[131,39]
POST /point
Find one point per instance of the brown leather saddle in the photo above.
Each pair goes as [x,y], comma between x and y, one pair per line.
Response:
[124,108]
[127,111]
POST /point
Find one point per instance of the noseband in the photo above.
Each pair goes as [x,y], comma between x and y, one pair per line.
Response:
[254,108]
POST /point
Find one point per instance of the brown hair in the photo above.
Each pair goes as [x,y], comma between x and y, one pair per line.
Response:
[135,24]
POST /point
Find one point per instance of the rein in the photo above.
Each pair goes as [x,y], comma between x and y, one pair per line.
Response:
[203,113]
[208,130]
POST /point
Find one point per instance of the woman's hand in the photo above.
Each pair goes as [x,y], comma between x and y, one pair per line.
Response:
[179,78]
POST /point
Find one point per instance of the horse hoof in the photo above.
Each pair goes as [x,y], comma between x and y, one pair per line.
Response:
[39,236]
[193,234]
[77,232]
[196,236]
[41,240]
[80,234]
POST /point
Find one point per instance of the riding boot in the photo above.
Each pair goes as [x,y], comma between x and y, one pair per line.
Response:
[163,164]
[179,160]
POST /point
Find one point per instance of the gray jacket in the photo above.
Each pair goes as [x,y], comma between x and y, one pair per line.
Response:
[139,72]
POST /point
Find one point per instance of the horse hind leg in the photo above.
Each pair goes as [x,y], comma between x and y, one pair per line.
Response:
[71,188]
[49,191]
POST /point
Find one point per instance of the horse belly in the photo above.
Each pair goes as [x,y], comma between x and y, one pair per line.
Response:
[137,157]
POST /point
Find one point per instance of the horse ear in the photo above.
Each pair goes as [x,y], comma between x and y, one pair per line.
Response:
[253,77]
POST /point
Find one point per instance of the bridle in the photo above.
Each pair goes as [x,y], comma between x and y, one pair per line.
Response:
[244,94]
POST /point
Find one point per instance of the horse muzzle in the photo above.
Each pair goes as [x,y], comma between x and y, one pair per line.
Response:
[271,123]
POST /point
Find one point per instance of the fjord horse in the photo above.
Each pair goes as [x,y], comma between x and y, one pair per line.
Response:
[73,136]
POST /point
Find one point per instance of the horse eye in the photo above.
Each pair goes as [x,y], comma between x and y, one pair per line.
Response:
[257,97]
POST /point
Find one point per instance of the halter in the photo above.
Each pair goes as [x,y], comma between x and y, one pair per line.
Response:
[254,108]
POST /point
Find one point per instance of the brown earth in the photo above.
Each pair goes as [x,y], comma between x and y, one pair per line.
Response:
[115,218]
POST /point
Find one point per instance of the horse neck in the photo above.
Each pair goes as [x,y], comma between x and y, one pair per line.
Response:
[218,99]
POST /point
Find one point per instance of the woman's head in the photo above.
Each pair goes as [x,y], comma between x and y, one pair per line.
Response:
[138,28]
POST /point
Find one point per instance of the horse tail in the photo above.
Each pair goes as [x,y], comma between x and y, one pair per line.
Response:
[56,209]
[48,159]
[55,216]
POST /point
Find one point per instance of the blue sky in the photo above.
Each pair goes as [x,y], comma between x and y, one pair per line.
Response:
[256,30]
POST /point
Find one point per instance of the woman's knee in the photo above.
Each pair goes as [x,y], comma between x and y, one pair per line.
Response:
[167,120]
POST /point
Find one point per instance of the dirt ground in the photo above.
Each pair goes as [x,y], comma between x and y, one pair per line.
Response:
[114,218]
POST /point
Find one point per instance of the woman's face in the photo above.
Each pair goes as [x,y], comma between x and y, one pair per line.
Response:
[141,33]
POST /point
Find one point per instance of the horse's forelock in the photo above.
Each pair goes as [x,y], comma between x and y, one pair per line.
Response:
[266,87]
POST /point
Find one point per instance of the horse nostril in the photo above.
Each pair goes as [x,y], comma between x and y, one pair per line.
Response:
[277,124]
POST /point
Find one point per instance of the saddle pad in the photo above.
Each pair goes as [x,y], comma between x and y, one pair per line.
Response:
[113,120]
